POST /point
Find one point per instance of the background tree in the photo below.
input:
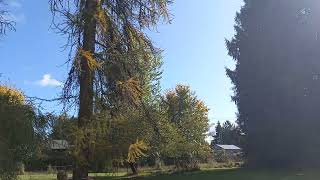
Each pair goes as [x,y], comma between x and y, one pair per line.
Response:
[16,131]
[186,127]
[230,133]
[227,134]
[109,43]
[61,126]
[217,137]
[48,127]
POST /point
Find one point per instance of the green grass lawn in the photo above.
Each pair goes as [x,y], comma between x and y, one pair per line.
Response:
[217,174]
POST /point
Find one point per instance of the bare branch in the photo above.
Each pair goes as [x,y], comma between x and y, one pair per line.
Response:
[6,21]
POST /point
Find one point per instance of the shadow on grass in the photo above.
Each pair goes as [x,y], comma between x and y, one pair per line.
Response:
[229,174]
[177,175]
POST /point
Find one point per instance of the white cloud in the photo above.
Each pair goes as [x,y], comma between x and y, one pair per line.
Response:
[48,80]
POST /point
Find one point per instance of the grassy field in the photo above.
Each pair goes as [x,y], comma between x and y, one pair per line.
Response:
[216,174]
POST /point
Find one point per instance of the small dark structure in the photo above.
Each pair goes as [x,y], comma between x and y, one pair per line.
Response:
[225,153]
[58,153]
[228,149]
[59,145]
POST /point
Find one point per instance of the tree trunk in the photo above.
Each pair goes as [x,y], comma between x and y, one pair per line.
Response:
[86,86]
[158,162]
[133,168]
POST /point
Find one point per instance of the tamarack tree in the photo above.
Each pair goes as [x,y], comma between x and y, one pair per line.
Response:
[109,53]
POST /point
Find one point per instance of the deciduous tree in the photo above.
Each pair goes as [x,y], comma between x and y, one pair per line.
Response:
[16,131]
[185,127]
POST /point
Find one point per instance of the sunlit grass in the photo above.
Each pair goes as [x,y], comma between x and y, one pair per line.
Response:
[38,176]
[47,176]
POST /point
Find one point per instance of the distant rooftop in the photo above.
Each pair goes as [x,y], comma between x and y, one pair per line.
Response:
[59,145]
[228,147]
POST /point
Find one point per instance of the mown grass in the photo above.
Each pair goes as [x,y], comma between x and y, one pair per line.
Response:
[213,174]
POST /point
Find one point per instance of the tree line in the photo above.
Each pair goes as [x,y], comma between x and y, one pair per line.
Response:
[114,84]
[176,135]
[228,134]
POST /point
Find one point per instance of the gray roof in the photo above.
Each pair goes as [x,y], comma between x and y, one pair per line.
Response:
[228,147]
[59,145]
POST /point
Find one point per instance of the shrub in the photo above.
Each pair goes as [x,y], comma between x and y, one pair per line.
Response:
[51,170]
[21,169]
[222,157]
[62,175]
[8,170]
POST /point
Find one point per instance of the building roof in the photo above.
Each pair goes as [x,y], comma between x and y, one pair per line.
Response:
[59,145]
[228,147]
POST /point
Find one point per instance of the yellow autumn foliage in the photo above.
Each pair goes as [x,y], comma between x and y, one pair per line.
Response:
[102,19]
[12,95]
[136,151]
[202,106]
[130,88]
[92,62]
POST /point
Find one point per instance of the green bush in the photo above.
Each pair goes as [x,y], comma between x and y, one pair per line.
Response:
[222,157]
[51,170]
[21,169]
[62,175]
[8,170]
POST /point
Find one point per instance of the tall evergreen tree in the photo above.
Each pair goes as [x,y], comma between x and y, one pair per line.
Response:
[227,134]
[275,49]
[217,138]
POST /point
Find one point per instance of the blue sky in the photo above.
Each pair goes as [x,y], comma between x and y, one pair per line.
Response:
[194,51]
